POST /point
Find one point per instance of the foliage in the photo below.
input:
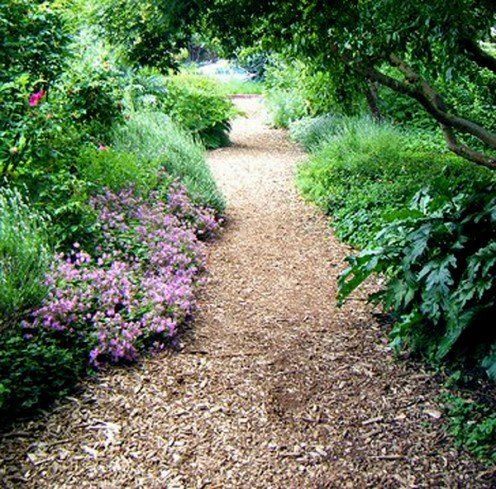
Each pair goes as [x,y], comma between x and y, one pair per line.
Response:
[439,262]
[418,49]
[94,94]
[24,257]
[473,427]
[155,140]
[107,168]
[312,132]
[36,371]
[298,89]
[365,173]
[149,33]
[197,104]
[254,60]
[34,40]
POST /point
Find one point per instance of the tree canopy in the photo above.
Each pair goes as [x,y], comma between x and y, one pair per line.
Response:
[413,48]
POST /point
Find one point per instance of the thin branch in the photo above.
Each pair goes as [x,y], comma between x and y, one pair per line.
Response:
[478,55]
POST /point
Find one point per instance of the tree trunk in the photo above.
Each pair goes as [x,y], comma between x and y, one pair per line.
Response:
[372,101]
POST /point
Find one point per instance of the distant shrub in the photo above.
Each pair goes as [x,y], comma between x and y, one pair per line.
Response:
[297,89]
[24,257]
[197,103]
[254,60]
[153,137]
[285,107]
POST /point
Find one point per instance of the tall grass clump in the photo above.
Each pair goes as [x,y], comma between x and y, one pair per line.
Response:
[24,256]
[158,142]
[312,132]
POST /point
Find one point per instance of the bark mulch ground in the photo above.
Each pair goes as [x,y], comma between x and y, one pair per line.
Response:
[272,387]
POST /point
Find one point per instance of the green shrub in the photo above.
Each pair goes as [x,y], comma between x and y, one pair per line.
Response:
[153,137]
[297,89]
[363,175]
[198,104]
[195,102]
[285,107]
[24,257]
[92,87]
[63,196]
[34,40]
[117,170]
[254,60]
[439,262]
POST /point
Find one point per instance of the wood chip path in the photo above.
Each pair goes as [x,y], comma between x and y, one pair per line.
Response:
[272,387]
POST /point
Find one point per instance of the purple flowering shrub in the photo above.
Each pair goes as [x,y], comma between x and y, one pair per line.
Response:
[139,287]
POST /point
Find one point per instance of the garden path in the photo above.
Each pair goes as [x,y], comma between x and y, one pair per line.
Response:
[272,387]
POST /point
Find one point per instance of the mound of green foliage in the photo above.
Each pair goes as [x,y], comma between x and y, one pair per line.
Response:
[363,175]
[312,132]
[197,103]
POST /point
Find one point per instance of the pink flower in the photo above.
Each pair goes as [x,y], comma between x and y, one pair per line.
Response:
[102,147]
[34,98]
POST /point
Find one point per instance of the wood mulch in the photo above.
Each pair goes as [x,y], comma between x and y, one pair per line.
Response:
[273,386]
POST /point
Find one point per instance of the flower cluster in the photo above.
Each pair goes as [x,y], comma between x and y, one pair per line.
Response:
[35,98]
[141,284]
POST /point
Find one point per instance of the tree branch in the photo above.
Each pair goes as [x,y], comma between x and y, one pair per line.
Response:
[464,151]
[413,86]
[478,55]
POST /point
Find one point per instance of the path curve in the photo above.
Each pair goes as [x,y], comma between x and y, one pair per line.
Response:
[273,387]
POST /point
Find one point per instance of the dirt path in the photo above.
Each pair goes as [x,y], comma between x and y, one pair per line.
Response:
[273,387]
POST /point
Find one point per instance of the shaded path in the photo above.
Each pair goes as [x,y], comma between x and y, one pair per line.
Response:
[274,387]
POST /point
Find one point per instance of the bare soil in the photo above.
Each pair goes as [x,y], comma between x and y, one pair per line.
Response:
[273,386]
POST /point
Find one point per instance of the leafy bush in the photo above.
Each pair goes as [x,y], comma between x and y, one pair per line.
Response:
[34,371]
[116,170]
[285,107]
[198,104]
[296,89]
[254,60]
[34,40]
[366,173]
[24,257]
[153,137]
[440,269]
[195,102]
